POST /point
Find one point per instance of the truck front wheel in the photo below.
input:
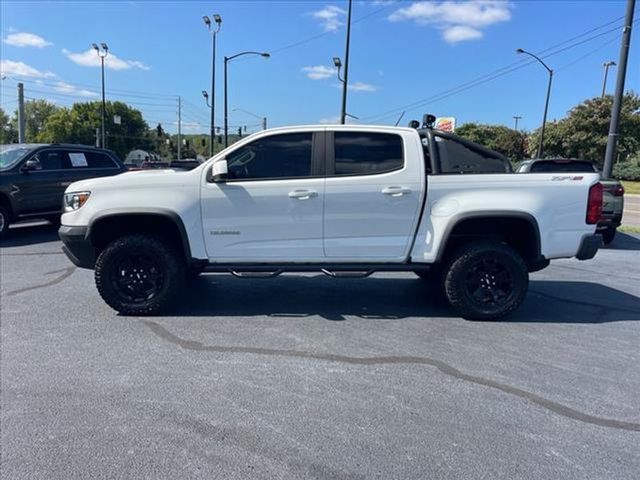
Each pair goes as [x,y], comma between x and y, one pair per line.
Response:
[486,281]
[139,274]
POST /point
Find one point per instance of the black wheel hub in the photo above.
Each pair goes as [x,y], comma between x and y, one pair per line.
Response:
[137,278]
[489,282]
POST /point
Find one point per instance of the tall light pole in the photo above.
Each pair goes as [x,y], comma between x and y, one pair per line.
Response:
[606,66]
[264,119]
[516,118]
[546,105]
[612,138]
[226,96]
[218,21]
[345,83]
[102,53]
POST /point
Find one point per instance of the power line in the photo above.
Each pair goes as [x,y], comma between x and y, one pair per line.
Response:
[495,74]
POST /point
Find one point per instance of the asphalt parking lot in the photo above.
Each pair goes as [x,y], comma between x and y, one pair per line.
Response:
[311,377]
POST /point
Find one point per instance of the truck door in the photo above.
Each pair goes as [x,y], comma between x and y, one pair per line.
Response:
[270,208]
[373,193]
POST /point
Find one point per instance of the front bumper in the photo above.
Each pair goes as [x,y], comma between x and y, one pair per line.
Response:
[589,247]
[77,246]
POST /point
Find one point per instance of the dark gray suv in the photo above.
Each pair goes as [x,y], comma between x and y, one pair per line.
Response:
[33,177]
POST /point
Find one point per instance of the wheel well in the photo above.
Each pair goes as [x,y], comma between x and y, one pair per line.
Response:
[520,233]
[4,201]
[104,230]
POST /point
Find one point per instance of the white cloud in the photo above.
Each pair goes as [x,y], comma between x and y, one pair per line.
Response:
[359,87]
[9,67]
[330,17]
[460,33]
[24,39]
[319,72]
[458,20]
[91,59]
[71,89]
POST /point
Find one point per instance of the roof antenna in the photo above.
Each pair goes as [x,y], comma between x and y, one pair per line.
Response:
[399,118]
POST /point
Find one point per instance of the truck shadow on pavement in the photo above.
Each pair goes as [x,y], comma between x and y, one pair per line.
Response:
[384,298]
[624,241]
[30,234]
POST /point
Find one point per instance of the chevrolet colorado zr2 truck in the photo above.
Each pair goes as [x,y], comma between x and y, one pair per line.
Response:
[345,200]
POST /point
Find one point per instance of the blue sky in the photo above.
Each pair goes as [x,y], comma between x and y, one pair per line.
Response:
[403,53]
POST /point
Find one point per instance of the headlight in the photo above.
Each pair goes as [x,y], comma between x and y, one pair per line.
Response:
[73,201]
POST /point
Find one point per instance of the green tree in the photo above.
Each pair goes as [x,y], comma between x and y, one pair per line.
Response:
[504,140]
[36,116]
[8,134]
[583,133]
[78,124]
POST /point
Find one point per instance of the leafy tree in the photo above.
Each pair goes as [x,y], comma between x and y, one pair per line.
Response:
[36,116]
[504,140]
[8,134]
[583,133]
[78,124]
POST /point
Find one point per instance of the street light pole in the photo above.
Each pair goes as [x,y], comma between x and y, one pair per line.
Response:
[546,105]
[606,66]
[226,90]
[343,112]
[102,54]
[612,138]
[218,20]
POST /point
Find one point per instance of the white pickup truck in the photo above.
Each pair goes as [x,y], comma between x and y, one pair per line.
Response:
[345,200]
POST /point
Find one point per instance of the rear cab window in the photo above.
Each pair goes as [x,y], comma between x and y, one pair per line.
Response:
[366,153]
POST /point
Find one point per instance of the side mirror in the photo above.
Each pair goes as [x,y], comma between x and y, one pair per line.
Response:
[31,165]
[219,171]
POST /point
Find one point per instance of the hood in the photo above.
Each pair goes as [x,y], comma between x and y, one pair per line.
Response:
[166,178]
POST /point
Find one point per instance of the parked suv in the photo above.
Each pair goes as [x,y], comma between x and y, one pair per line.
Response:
[613,191]
[33,177]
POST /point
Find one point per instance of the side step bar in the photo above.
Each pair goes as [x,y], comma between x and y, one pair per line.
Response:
[338,270]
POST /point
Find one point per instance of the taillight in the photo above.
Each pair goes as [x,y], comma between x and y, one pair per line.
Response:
[594,204]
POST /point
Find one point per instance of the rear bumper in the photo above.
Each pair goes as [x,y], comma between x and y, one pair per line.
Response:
[589,247]
[77,246]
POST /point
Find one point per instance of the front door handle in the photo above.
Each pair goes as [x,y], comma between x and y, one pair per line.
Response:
[303,194]
[396,191]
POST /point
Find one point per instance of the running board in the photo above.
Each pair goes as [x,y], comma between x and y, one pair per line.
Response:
[335,270]
[346,273]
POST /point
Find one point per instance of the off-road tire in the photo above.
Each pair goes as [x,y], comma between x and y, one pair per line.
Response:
[166,262]
[503,288]
[608,235]
[4,221]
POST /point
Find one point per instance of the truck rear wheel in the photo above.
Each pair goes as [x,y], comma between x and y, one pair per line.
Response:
[486,281]
[139,274]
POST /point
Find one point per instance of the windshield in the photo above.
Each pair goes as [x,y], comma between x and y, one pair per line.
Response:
[11,154]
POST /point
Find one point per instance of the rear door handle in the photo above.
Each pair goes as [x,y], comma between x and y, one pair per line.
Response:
[396,191]
[303,194]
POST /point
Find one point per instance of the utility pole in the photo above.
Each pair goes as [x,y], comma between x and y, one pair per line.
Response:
[179,127]
[218,21]
[264,123]
[612,139]
[21,119]
[97,137]
[343,112]
[516,118]
[606,66]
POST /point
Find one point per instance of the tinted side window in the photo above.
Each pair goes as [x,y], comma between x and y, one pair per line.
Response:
[568,167]
[361,153]
[51,160]
[99,160]
[458,158]
[279,156]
